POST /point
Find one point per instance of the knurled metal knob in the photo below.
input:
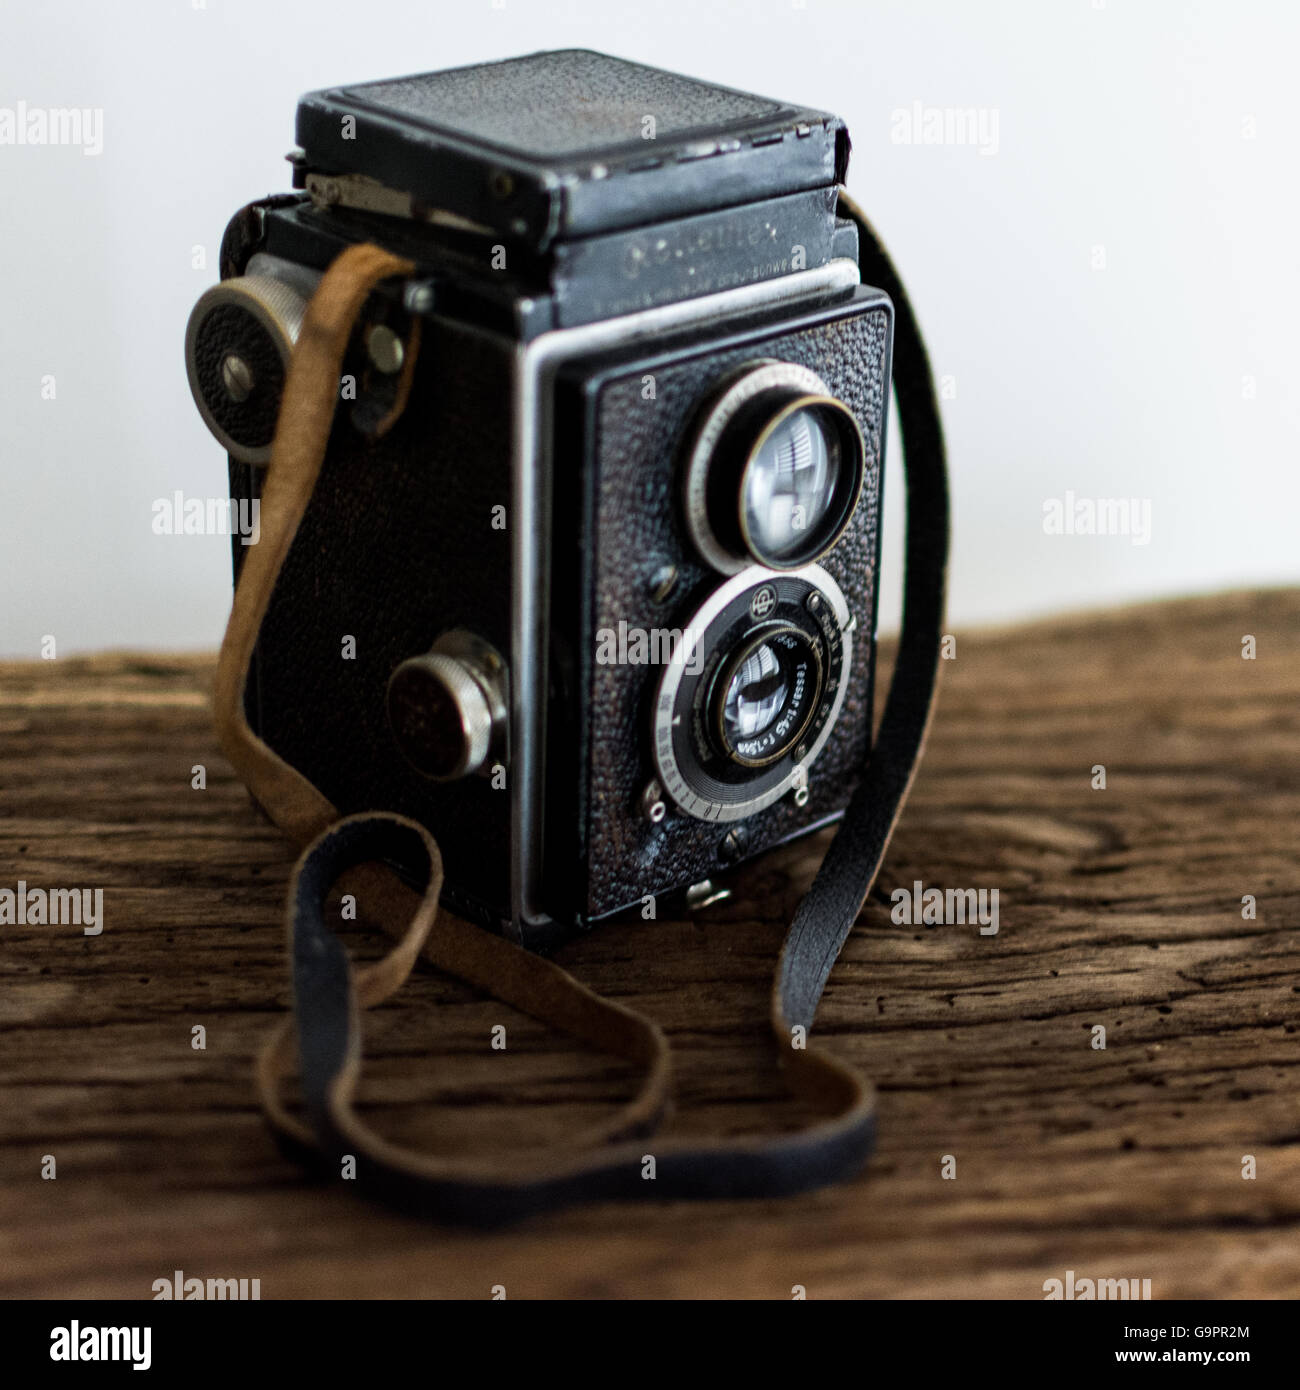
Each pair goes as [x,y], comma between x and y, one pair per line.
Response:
[447,707]
[240,338]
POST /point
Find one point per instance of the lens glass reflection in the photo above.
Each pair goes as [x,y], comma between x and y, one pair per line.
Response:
[790,485]
[755,697]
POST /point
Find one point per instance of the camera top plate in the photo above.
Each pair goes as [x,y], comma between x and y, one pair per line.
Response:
[567,144]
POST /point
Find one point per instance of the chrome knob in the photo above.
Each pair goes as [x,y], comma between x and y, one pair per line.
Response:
[448,707]
[238,344]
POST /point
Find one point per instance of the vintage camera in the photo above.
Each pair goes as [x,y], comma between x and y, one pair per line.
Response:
[600,608]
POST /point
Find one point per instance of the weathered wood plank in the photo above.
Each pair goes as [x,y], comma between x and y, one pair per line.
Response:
[1119,907]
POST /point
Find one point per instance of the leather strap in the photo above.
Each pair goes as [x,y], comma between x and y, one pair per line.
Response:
[330,996]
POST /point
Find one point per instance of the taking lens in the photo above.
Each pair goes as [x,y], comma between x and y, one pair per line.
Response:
[790,486]
[774,470]
[764,694]
[755,696]
[738,729]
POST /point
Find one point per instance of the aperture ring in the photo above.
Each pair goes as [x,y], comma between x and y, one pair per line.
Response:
[700,780]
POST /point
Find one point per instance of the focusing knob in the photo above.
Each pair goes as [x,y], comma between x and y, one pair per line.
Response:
[240,337]
[447,708]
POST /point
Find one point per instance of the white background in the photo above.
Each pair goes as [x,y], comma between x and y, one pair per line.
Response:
[1126,126]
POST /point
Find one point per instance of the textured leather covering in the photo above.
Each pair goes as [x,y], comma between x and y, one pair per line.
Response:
[396,547]
[634,473]
[570,103]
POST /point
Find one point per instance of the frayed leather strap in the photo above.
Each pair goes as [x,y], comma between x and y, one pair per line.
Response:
[361,853]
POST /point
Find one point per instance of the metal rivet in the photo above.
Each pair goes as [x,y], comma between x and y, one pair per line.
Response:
[653,807]
[385,349]
[734,844]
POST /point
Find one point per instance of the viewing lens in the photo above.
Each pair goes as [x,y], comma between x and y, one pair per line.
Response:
[774,469]
[800,482]
[790,486]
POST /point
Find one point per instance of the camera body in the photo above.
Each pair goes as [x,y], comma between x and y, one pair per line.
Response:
[599,609]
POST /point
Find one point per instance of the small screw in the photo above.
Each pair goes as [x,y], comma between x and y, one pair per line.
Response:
[419,298]
[237,377]
[734,843]
[663,582]
[653,807]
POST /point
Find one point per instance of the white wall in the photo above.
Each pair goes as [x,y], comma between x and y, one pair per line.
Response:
[1165,132]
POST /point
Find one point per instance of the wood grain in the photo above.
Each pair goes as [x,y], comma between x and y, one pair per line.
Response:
[1119,907]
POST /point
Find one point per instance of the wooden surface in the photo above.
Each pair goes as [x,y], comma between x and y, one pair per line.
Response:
[1119,907]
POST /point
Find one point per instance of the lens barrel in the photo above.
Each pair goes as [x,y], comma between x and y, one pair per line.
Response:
[774,472]
[765,693]
[742,713]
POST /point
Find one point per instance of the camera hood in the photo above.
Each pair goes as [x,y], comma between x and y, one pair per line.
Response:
[563,145]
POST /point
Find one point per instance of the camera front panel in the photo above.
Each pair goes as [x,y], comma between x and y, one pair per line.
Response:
[711,663]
